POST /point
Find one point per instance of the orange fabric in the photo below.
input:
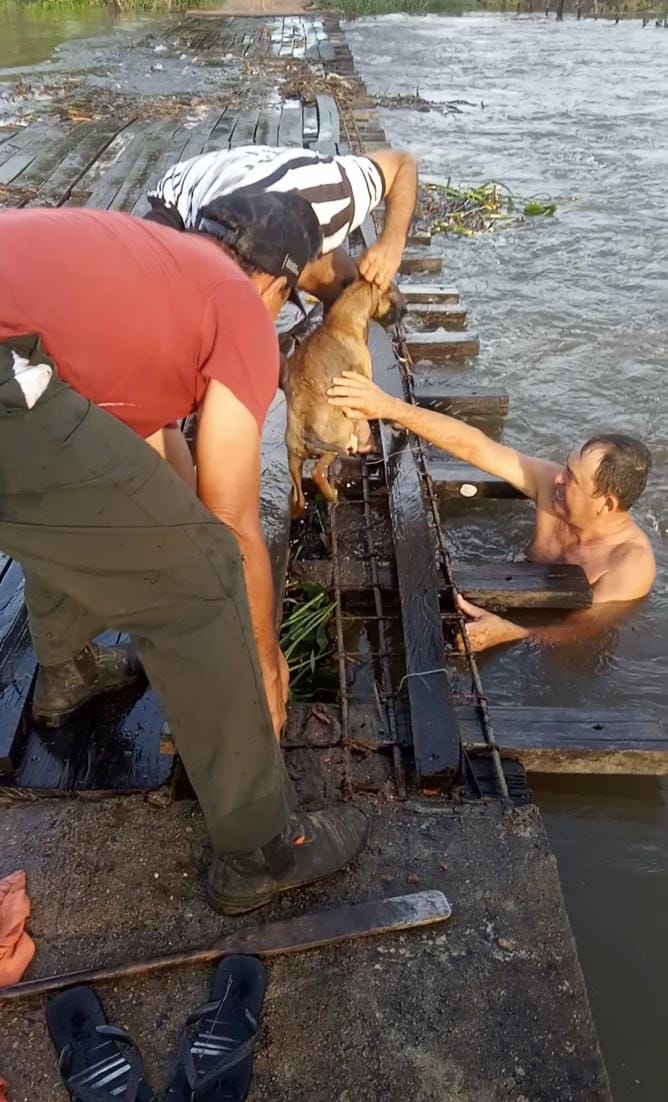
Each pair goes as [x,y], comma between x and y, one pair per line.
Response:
[16,947]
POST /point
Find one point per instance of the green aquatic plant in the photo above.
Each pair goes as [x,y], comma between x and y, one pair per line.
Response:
[305,637]
[465,211]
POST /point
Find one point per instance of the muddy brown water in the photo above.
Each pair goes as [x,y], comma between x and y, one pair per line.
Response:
[571,313]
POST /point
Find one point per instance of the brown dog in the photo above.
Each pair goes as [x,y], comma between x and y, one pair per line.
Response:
[315,429]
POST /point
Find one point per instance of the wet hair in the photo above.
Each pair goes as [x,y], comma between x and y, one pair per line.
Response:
[623,468]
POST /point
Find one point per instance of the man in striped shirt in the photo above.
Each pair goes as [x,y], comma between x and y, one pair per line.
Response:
[342,191]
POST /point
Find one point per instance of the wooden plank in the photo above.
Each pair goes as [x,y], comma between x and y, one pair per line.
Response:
[99,186]
[329,124]
[327,52]
[454,479]
[435,732]
[221,135]
[462,401]
[290,130]
[439,345]
[498,585]
[17,664]
[574,740]
[310,123]
[428,292]
[244,131]
[149,147]
[65,177]
[494,585]
[419,240]
[122,749]
[419,260]
[438,315]
[266,132]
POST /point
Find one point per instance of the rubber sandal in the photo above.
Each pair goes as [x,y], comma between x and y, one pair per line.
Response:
[216,1046]
[98,1063]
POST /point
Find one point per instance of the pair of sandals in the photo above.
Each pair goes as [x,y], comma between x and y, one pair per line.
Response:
[100,1063]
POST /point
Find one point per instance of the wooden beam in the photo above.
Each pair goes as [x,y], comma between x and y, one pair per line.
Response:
[417,260]
[438,315]
[329,125]
[419,240]
[499,585]
[495,585]
[575,740]
[435,732]
[454,479]
[462,401]
[291,127]
[17,664]
[440,345]
[428,292]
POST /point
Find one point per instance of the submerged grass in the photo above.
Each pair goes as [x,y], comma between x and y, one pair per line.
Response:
[305,636]
[445,208]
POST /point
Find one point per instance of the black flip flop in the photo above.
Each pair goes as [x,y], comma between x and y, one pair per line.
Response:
[98,1063]
[216,1046]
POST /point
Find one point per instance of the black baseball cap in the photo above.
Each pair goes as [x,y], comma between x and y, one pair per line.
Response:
[276,232]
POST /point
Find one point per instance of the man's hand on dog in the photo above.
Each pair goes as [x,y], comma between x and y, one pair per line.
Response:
[380,263]
[360,399]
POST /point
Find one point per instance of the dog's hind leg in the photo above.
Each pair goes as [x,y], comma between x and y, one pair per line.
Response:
[320,477]
[297,500]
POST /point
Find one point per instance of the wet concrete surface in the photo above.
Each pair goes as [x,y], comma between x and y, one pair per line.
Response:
[490,1007]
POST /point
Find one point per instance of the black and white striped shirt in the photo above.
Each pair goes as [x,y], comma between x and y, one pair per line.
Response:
[342,190]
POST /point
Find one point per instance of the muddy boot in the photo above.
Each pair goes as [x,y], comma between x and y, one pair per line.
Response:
[61,689]
[314,846]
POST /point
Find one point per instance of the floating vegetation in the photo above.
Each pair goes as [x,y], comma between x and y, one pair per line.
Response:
[467,211]
[305,636]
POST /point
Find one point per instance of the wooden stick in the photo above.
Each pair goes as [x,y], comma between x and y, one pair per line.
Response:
[293,935]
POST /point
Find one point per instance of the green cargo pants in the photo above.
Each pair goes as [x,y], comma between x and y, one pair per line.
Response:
[109,537]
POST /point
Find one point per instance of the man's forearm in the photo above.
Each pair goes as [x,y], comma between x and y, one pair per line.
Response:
[446,433]
[400,203]
[260,590]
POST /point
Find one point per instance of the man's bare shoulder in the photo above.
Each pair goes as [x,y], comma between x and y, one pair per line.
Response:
[631,569]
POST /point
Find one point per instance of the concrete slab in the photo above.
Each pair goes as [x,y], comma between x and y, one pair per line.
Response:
[490,1007]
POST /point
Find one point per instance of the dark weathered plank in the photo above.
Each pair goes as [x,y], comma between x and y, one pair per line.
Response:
[329,125]
[290,130]
[121,752]
[156,136]
[438,315]
[440,345]
[77,162]
[455,479]
[310,123]
[419,240]
[574,740]
[244,131]
[435,732]
[327,52]
[428,292]
[498,585]
[462,401]
[494,585]
[222,132]
[17,664]
[99,186]
[420,260]
[266,132]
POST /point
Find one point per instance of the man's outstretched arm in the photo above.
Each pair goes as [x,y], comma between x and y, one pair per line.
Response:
[362,400]
[380,263]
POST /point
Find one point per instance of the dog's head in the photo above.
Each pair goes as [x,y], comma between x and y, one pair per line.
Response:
[364,299]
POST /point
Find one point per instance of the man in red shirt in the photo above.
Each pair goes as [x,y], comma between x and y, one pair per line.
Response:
[111,328]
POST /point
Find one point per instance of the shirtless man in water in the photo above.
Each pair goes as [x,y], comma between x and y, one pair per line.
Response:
[582,508]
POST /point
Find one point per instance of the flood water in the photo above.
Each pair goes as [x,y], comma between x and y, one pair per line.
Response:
[30,33]
[572,316]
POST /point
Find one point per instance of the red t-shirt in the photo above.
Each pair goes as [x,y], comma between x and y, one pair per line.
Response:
[136,317]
